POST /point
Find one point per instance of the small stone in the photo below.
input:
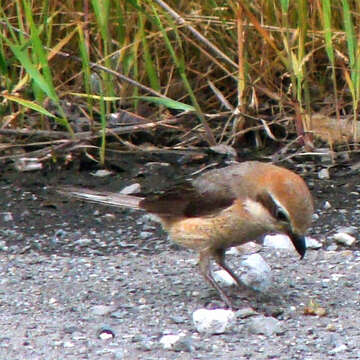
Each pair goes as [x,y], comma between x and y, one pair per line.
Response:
[258,276]
[224,149]
[131,189]
[331,327]
[177,319]
[224,278]
[68,344]
[7,216]
[105,333]
[256,262]
[327,205]
[179,342]
[83,242]
[27,164]
[249,248]
[215,321]
[344,238]
[101,309]
[315,217]
[332,247]
[312,243]
[324,174]
[3,246]
[109,216]
[265,326]
[338,349]
[145,235]
[233,251]
[101,173]
[351,230]
[245,313]
[279,241]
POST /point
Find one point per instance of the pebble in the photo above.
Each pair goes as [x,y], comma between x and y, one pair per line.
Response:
[249,248]
[211,322]
[131,189]
[178,342]
[223,278]
[101,309]
[278,241]
[327,205]
[83,242]
[258,276]
[145,235]
[324,174]
[338,349]
[105,333]
[268,326]
[344,238]
[352,230]
[312,243]
[101,173]
[245,313]
[7,216]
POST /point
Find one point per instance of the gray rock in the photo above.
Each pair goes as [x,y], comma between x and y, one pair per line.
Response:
[101,309]
[268,326]
[145,235]
[245,313]
[258,276]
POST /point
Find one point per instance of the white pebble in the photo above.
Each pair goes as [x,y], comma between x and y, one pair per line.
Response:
[324,174]
[7,216]
[338,349]
[215,321]
[131,189]
[168,342]
[101,173]
[223,277]
[312,243]
[344,238]
[327,205]
[278,241]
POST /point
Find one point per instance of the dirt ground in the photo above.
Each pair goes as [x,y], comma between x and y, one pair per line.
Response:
[85,281]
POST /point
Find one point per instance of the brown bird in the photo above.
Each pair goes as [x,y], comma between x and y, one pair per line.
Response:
[223,208]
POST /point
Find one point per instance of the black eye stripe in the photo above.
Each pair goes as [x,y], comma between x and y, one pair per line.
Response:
[280,214]
[274,209]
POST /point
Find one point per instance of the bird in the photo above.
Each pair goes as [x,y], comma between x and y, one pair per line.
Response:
[223,208]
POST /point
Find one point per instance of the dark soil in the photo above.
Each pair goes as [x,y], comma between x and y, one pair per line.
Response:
[84,281]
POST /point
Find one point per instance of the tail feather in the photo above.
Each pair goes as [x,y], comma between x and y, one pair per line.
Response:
[103,197]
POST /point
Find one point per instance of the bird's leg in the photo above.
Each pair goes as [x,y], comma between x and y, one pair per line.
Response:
[204,264]
[219,257]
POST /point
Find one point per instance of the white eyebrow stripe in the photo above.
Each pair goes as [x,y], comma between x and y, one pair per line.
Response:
[279,205]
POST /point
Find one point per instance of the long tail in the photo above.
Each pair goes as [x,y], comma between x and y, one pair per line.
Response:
[103,197]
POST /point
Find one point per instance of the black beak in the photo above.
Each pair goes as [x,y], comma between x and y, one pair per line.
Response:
[299,243]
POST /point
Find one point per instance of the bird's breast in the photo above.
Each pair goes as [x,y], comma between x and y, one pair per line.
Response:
[242,222]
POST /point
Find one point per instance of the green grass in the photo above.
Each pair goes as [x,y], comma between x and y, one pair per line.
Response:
[220,61]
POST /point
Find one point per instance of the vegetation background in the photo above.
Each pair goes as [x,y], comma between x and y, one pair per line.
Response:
[181,73]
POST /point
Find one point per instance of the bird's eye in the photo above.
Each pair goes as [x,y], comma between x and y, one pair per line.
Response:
[281,215]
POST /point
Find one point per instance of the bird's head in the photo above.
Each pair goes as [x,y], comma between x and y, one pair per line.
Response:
[289,202]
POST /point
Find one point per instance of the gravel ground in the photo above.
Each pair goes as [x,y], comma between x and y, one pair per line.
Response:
[80,281]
